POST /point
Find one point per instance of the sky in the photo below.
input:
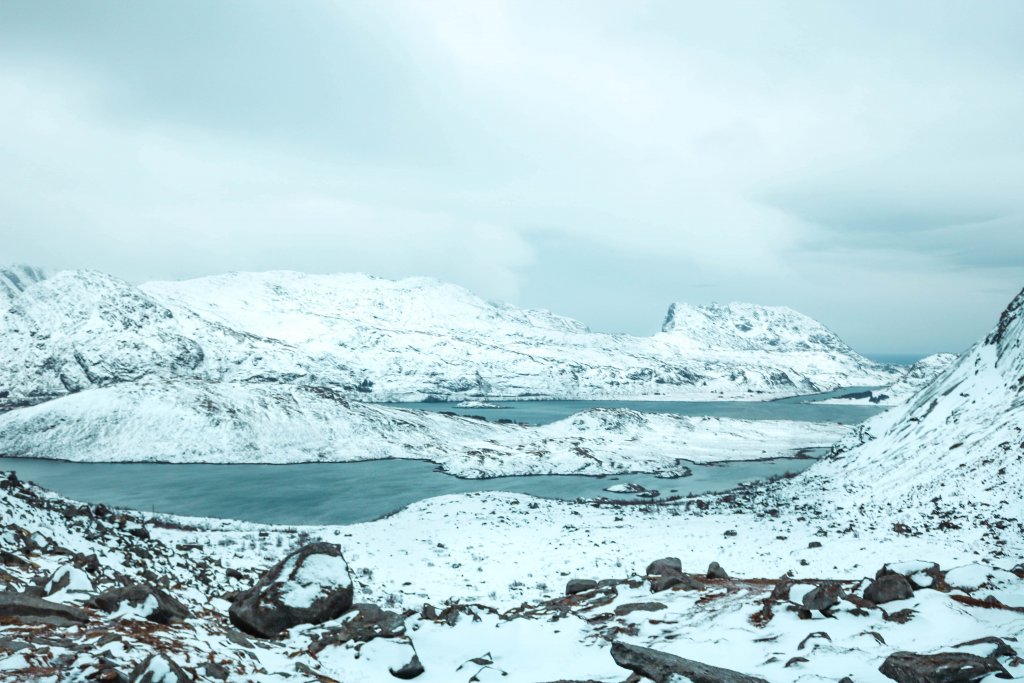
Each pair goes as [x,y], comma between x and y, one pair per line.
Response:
[860,162]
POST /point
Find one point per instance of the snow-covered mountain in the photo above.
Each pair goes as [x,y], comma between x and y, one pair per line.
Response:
[956,448]
[227,422]
[393,340]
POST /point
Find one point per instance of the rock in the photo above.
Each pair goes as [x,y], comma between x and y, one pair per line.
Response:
[29,609]
[944,667]
[814,544]
[67,578]
[823,597]
[409,671]
[629,607]
[919,574]
[999,646]
[362,624]
[666,565]
[661,583]
[154,604]
[888,587]
[157,668]
[214,670]
[715,571]
[579,585]
[661,667]
[310,586]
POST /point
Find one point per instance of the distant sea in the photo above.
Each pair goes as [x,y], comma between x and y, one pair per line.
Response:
[896,358]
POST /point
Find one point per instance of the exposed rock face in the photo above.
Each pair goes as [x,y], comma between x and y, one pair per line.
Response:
[310,586]
[944,667]
[661,667]
[888,587]
[153,603]
[29,609]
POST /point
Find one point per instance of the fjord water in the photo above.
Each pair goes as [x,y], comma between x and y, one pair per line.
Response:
[804,408]
[338,493]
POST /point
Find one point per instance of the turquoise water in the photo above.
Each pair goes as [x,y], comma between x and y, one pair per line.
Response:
[795,408]
[337,493]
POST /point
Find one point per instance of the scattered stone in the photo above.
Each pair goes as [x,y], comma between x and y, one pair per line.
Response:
[310,586]
[410,670]
[666,565]
[661,583]
[999,646]
[629,607]
[579,586]
[814,544]
[29,609]
[823,597]
[887,588]
[362,624]
[715,571]
[662,667]
[157,668]
[163,608]
[944,667]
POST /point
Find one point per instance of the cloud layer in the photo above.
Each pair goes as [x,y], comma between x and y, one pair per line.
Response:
[862,163]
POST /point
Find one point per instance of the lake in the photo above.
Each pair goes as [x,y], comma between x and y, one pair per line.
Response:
[338,493]
[806,408]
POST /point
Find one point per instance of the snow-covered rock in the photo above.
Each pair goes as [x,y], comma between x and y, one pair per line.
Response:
[389,340]
[196,421]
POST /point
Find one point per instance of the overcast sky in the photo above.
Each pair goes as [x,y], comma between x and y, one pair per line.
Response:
[862,162]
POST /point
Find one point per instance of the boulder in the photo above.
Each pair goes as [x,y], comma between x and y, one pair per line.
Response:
[408,671]
[362,623]
[310,586]
[151,602]
[579,585]
[715,571]
[666,565]
[823,597]
[662,667]
[919,574]
[157,668]
[67,578]
[944,667]
[888,587]
[29,609]
[666,581]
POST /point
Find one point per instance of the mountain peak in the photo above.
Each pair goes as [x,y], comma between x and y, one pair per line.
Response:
[744,326]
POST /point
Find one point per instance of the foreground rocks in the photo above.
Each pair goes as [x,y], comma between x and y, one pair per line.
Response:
[945,667]
[661,667]
[310,586]
[154,604]
[23,608]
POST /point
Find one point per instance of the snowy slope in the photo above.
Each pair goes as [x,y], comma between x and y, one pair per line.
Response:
[955,449]
[195,421]
[418,337]
[919,375]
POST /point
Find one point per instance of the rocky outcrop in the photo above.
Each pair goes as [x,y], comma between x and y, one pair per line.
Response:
[661,667]
[310,586]
[148,601]
[944,667]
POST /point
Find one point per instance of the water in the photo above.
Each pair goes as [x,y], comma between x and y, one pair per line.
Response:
[795,408]
[337,493]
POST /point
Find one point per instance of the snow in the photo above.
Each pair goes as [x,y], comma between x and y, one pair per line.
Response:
[318,574]
[126,610]
[919,375]
[192,421]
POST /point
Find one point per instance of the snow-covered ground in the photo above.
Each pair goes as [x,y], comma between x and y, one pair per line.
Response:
[217,422]
[918,376]
[385,340]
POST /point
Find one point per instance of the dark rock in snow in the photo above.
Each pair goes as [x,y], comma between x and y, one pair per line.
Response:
[310,586]
[715,571]
[666,565]
[410,670]
[579,585]
[661,667]
[363,623]
[823,597]
[165,608]
[29,609]
[666,581]
[944,667]
[630,607]
[888,587]
[158,668]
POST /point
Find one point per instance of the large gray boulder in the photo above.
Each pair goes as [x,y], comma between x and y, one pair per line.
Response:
[666,565]
[23,608]
[154,604]
[944,667]
[823,597]
[888,587]
[310,586]
[662,667]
